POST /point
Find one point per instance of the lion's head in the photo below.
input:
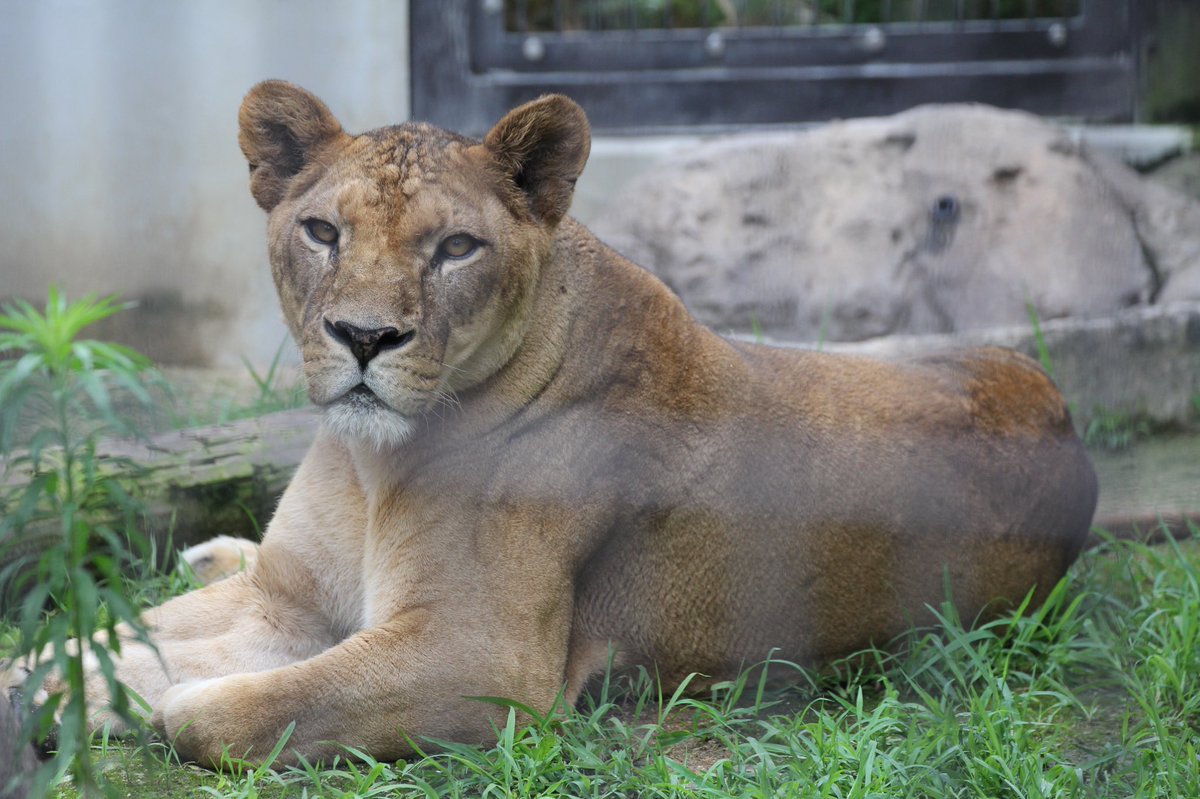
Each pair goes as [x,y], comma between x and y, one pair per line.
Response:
[406,258]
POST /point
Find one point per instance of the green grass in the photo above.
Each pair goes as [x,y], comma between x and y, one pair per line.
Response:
[1092,695]
[1114,430]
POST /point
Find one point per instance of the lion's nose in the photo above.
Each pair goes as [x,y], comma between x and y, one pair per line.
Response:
[366,344]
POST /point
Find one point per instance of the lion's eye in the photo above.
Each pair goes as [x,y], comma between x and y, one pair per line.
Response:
[460,245]
[321,231]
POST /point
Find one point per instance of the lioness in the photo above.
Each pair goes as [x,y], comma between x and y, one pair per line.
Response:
[531,453]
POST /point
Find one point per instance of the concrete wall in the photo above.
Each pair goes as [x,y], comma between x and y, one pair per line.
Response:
[119,165]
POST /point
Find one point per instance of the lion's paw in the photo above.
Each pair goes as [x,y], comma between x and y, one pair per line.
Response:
[184,718]
[220,557]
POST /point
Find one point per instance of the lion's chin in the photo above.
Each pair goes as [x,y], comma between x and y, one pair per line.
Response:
[359,417]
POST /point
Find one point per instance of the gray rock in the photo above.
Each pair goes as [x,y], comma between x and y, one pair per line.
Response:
[17,760]
[1167,224]
[1181,174]
[940,219]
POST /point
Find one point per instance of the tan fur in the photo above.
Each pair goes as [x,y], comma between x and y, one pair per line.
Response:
[559,459]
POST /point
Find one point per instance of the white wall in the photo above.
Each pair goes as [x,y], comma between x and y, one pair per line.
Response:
[119,164]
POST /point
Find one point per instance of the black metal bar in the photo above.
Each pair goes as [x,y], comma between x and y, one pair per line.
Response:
[657,79]
[1007,44]
[640,102]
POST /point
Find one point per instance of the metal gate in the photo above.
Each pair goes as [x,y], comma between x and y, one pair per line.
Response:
[665,64]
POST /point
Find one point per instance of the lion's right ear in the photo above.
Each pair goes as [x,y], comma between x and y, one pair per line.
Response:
[283,128]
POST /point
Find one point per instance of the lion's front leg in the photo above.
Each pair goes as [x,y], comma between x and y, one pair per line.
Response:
[414,676]
[298,597]
[232,626]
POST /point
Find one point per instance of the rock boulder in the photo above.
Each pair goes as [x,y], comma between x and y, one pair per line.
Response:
[939,219]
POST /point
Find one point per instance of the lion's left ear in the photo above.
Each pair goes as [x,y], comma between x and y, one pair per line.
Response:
[541,147]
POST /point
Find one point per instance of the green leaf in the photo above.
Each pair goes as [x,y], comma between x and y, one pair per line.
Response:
[134,384]
[35,491]
[12,413]
[19,372]
[85,361]
[97,391]
[119,357]
[511,704]
[86,596]
[274,755]
[1039,339]
[20,316]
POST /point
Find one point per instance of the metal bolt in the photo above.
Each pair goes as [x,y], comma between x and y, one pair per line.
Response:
[873,40]
[714,44]
[1057,34]
[533,48]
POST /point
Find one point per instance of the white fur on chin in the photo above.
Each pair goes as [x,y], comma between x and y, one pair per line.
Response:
[380,428]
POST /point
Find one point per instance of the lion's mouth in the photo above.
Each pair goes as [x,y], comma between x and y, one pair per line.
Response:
[362,415]
[361,397]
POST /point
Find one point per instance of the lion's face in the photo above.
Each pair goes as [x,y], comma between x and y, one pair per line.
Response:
[404,278]
[406,259]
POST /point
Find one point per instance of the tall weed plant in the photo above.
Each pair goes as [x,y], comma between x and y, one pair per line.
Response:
[67,521]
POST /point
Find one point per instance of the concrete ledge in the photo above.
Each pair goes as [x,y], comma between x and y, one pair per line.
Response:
[1140,146]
